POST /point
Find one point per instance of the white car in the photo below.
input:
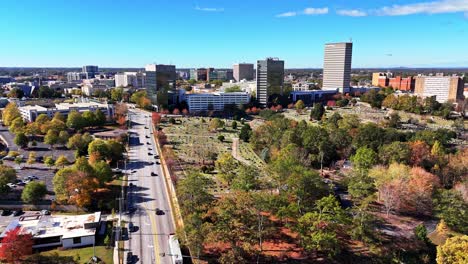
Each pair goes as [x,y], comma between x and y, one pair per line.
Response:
[11,185]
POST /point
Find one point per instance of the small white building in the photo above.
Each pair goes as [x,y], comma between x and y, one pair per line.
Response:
[68,231]
[215,101]
[31,112]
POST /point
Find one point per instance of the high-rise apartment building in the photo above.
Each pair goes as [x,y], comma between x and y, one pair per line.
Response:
[160,79]
[90,71]
[337,66]
[270,79]
[243,71]
[444,88]
[133,79]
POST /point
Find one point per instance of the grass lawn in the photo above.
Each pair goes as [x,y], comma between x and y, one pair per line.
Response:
[85,254]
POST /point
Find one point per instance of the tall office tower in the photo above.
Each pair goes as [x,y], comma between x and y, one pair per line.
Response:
[90,71]
[270,79]
[243,71]
[160,80]
[337,66]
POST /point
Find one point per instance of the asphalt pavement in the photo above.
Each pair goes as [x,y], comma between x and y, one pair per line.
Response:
[147,195]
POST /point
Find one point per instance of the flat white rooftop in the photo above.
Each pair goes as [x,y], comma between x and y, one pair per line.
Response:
[66,226]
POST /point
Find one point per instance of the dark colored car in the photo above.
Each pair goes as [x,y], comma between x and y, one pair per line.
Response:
[149,153]
[147,143]
[157,162]
[159,211]
[147,137]
[156,156]
[131,227]
[146,127]
[129,258]
[154,174]
[6,212]
[17,212]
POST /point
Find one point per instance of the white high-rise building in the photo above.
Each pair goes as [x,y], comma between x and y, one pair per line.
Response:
[134,79]
[337,66]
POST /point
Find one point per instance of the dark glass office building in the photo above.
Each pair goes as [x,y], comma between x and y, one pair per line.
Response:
[270,80]
[160,79]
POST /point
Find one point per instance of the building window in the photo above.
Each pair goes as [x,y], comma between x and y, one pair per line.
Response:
[77,240]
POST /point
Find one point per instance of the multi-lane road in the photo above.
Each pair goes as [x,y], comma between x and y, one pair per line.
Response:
[147,195]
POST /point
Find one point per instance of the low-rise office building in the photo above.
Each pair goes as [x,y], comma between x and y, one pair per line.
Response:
[444,88]
[215,101]
[311,97]
[31,112]
[67,231]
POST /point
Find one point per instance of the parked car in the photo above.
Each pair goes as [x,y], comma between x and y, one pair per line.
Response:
[45,212]
[21,183]
[6,212]
[9,158]
[18,212]
[11,185]
[39,159]
[33,177]
[117,170]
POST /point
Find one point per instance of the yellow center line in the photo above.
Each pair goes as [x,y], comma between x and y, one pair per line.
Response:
[155,237]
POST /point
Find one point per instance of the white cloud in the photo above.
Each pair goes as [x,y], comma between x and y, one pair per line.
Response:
[209,9]
[308,11]
[435,7]
[351,12]
[315,11]
[287,14]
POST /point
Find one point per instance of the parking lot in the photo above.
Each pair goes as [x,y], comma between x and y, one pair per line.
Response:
[6,219]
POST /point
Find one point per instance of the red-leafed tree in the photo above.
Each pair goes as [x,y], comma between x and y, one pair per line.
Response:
[420,152]
[15,245]
[156,117]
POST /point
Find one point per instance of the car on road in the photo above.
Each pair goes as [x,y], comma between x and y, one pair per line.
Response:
[129,257]
[158,163]
[146,127]
[149,153]
[154,174]
[134,171]
[150,149]
[156,156]
[45,212]
[5,212]
[131,227]
[147,143]
[147,137]
[18,212]
[159,211]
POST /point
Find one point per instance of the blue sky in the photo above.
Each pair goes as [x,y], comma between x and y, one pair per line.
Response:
[188,33]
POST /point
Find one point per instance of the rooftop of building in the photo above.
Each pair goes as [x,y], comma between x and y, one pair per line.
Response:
[66,226]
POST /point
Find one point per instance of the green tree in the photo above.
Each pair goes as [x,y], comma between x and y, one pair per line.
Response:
[100,118]
[49,161]
[364,159]
[17,125]
[80,143]
[21,140]
[317,112]
[62,161]
[103,171]
[318,229]
[398,152]
[117,94]
[246,178]
[34,192]
[89,118]
[221,138]
[59,183]
[245,133]
[234,125]
[226,166]
[193,193]
[7,175]
[75,120]
[51,138]
[10,113]
[299,105]
[215,124]
[369,135]
[450,206]
[63,137]
[59,117]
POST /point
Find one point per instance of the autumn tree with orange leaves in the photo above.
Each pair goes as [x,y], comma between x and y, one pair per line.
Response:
[81,186]
[15,245]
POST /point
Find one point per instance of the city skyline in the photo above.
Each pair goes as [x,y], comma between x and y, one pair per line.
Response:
[133,34]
